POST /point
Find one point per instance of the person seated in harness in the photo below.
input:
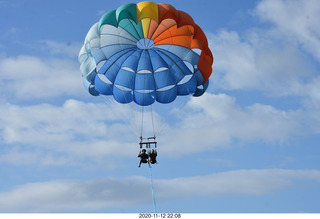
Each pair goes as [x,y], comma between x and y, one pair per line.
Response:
[153,156]
[144,158]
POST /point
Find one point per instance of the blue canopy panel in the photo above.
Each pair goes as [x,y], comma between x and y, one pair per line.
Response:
[125,78]
[131,61]
[187,85]
[107,73]
[156,60]
[144,97]
[183,75]
[109,62]
[112,66]
[90,87]
[183,53]
[144,64]
[166,94]
[122,94]
[172,66]
[163,78]
[103,85]
[188,56]
[198,76]
[144,81]
[201,89]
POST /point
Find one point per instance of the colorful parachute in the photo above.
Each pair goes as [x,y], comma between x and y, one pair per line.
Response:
[146,52]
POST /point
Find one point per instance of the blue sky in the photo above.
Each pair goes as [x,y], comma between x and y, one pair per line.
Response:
[250,144]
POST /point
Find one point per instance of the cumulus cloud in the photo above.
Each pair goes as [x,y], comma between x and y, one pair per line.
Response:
[296,20]
[213,121]
[89,130]
[76,129]
[272,60]
[28,77]
[111,192]
[243,63]
[70,49]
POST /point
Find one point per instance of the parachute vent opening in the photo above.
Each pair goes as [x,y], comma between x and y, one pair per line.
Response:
[127,69]
[200,87]
[198,51]
[123,88]
[161,69]
[185,79]
[99,65]
[104,79]
[144,71]
[144,91]
[189,65]
[166,88]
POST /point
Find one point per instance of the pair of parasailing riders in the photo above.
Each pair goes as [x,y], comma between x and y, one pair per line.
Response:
[144,157]
[151,156]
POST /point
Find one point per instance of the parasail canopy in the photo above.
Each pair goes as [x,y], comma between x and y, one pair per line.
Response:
[146,53]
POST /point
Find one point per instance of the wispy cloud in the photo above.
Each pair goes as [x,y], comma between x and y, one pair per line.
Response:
[296,21]
[112,192]
[274,60]
[90,130]
[69,49]
[78,130]
[213,121]
[243,63]
[29,77]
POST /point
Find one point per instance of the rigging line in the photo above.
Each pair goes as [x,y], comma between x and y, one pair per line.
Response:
[142,111]
[165,124]
[154,104]
[131,85]
[159,51]
[121,113]
[153,197]
[154,132]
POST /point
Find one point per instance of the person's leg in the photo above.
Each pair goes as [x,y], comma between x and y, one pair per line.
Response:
[149,163]
[139,163]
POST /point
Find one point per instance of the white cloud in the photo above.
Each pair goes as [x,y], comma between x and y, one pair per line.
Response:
[70,49]
[257,63]
[90,130]
[28,77]
[233,58]
[296,20]
[274,60]
[213,121]
[111,192]
[76,130]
